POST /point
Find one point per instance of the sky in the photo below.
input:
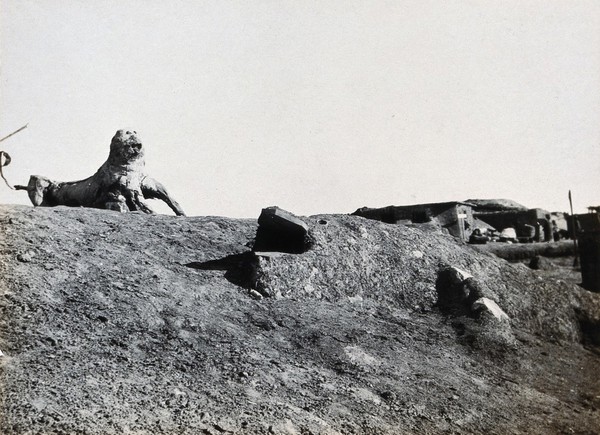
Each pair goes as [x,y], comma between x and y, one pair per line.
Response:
[314,106]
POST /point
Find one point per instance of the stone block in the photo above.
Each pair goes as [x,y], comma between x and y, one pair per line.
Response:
[489,306]
[281,231]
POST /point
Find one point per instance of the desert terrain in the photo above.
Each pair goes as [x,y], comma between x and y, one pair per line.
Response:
[129,323]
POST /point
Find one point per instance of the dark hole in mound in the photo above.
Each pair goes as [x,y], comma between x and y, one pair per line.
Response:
[590,332]
[452,298]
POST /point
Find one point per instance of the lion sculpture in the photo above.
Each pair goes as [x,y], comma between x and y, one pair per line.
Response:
[120,183]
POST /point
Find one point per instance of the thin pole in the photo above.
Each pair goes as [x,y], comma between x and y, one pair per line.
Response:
[15,132]
[574,233]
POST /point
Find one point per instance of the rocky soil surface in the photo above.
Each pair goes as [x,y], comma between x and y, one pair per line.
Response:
[134,324]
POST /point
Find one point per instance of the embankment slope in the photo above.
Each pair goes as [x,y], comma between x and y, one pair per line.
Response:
[104,328]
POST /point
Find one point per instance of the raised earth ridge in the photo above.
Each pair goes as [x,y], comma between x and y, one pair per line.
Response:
[130,323]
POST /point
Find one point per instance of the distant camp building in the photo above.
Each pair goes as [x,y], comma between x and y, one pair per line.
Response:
[456,217]
[521,221]
[460,218]
[562,224]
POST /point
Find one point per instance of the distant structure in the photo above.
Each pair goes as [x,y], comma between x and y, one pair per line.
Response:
[491,216]
[456,217]
[491,205]
[521,221]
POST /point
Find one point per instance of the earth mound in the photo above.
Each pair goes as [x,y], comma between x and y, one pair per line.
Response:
[129,323]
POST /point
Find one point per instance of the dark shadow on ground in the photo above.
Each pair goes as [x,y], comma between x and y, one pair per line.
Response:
[240,269]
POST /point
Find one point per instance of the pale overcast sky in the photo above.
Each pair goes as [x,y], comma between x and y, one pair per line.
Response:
[315,106]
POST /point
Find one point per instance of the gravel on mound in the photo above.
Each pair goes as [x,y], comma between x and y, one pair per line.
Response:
[104,329]
[400,266]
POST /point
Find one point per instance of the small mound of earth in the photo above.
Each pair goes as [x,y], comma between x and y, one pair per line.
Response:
[129,323]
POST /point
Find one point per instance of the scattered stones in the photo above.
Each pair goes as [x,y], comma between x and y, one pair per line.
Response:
[459,294]
[389,396]
[489,306]
[255,295]
[26,257]
[222,426]
[285,427]
[457,276]
[355,299]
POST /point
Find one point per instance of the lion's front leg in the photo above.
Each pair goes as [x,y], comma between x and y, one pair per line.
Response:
[152,189]
[134,202]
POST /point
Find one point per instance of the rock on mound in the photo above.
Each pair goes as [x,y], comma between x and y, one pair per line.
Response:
[400,266]
[105,329]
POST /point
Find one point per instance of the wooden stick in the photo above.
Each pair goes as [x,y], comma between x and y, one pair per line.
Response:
[15,132]
[573,223]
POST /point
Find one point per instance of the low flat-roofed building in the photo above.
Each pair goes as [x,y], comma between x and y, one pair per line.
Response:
[520,220]
[455,216]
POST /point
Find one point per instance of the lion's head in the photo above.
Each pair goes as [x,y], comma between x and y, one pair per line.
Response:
[126,147]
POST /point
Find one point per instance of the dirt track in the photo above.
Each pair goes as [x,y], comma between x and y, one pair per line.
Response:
[104,329]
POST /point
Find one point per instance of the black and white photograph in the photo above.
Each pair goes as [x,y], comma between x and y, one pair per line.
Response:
[299,217]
